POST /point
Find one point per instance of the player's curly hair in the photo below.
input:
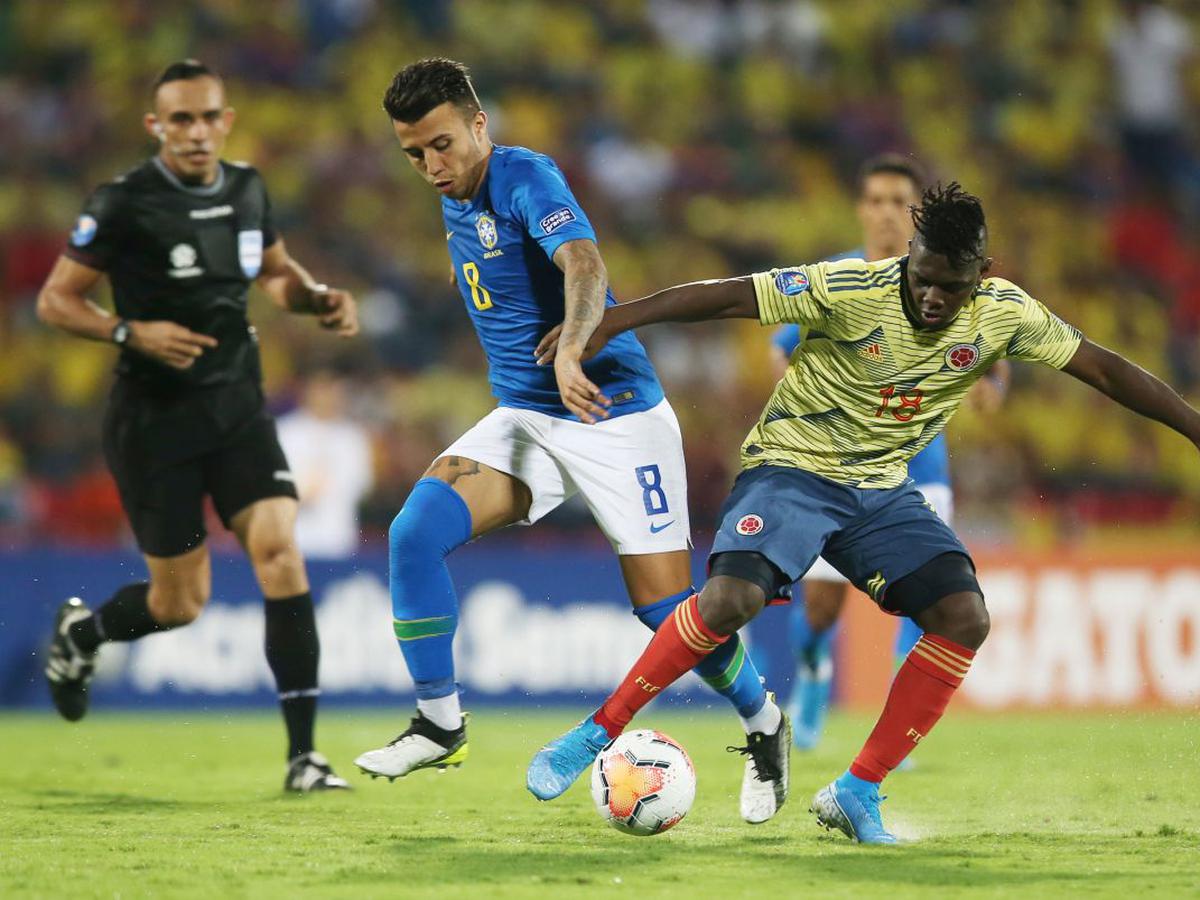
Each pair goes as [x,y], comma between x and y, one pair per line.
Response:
[426,84]
[950,222]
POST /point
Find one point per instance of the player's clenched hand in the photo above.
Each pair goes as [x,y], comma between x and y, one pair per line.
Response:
[547,348]
[578,393]
[169,343]
[337,311]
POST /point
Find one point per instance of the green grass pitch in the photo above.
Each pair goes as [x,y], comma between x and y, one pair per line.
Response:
[189,805]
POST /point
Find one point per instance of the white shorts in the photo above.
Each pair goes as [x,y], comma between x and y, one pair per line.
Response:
[629,470]
[940,497]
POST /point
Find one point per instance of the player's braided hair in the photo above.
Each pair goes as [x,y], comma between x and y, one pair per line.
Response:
[950,222]
[427,84]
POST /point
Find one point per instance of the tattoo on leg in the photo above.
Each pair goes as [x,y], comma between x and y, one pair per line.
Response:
[459,467]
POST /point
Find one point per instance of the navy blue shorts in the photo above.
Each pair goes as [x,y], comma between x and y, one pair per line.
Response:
[873,537]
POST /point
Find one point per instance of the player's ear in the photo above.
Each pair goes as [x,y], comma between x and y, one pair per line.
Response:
[228,115]
[153,126]
[479,124]
[985,268]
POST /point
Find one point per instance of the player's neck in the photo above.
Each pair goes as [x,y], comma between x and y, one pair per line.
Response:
[483,170]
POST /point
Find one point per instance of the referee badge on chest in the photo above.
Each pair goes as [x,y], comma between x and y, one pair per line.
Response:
[250,251]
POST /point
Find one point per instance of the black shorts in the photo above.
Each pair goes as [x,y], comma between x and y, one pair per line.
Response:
[167,451]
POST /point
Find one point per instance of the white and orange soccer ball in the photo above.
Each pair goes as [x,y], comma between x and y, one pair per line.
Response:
[643,783]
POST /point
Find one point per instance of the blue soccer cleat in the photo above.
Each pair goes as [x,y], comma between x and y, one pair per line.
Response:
[851,805]
[556,766]
[809,703]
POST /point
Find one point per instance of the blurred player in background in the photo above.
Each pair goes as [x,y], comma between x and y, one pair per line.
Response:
[525,259]
[330,456]
[893,347]
[181,237]
[889,186]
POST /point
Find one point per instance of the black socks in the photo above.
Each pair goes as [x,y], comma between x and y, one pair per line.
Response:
[125,617]
[293,653]
[293,650]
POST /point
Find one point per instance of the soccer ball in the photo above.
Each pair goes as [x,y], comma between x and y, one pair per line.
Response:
[643,783]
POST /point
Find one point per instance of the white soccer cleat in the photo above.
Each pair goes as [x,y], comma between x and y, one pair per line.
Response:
[422,746]
[765,780]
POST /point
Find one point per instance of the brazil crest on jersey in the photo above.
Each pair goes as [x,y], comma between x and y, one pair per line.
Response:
[502,243]
[868,389]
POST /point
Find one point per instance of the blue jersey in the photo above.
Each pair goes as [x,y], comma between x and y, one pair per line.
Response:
[931,465]
[502,244]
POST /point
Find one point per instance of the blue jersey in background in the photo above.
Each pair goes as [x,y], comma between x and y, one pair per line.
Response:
[502,244]
[931,465]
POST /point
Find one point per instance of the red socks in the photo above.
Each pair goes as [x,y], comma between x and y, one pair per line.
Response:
[678,645]
[934,669]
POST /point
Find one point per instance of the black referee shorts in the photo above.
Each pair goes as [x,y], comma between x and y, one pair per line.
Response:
[166,451]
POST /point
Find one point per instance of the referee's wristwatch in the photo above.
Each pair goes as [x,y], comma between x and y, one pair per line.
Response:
[120,333]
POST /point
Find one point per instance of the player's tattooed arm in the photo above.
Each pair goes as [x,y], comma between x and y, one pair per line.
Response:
[1135,388]
[699,301]
[585,286]
[291,287]
[585,283]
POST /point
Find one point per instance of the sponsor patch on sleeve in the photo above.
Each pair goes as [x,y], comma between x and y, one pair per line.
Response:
[557,219]
[791,282]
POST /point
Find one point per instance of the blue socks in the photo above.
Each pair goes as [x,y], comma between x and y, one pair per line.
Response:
[907,636]
[728,670]
[434,521]
[810,647]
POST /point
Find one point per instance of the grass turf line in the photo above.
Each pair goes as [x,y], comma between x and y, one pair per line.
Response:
[190,805]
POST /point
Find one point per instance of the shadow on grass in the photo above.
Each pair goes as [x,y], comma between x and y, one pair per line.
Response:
[434,860]
[82,801]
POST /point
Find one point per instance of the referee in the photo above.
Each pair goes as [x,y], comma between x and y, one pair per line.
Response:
[180,238]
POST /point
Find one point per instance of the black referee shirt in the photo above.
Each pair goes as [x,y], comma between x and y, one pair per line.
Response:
[183,253]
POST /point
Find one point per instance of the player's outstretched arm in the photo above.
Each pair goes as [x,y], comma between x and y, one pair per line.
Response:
[291,287]
[699,301]
[1135,388]
[63,303]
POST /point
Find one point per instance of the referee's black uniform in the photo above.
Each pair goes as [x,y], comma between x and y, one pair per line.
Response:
[187,254]
[180,255]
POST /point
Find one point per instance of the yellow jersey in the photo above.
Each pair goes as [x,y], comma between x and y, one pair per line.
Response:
[867,389]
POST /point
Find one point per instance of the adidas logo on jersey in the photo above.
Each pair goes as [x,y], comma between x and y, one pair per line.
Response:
[872,351]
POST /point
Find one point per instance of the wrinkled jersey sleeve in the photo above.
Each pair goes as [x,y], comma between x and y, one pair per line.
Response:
[97,235]
[797,295]
[543,203]
[1042,336]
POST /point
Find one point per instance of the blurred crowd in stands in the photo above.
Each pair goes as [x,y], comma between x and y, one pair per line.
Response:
[705,139]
